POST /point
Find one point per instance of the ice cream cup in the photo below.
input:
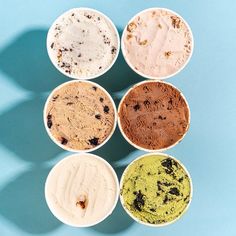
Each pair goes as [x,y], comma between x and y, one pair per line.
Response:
[54,179]
[160,224]
[87,77]
[143,74]
[59,143]
[137,146]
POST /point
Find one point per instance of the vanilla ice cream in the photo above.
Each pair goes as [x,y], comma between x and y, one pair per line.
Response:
[82,190]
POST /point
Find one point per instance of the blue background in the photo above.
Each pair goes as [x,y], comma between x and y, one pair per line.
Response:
[208,150]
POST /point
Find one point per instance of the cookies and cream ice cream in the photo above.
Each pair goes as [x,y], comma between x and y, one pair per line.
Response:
[153,115]
[82,190]
[155,189]
[157,43]
[80,115]
[83,43]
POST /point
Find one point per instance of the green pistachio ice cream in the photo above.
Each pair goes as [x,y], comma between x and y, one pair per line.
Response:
[155,189]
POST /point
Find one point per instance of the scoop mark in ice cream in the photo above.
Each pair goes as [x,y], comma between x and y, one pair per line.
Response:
[157,45]
[150,194]
[75,114]
[154,115]
[81,190]
[85,41]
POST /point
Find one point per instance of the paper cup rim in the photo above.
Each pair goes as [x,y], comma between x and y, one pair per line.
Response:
[64,146]
[137,146]
[190,195]
[88,155]
[91,76]
[156,77]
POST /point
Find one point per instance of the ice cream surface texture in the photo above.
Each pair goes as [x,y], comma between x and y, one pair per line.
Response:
[83,43]
[81,190]
[157,43]
[155,189]
[154,115]
[80,115]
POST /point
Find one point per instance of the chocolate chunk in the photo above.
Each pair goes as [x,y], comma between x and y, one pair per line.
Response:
[81,204]
[94,141]
[138,202]
[146,103]
[136,107]
[100,67]
[99,18]
[167,163]
[69,103]
[89,16]
[186,198]
[64,141]
[52,45]
[106,109]
[152,209]
[161,117]
[146,89]
[49,122]
[113,50]
[90,59]
[98,116]
[72,14]
[174,191]
[101,99]
[54,98]
[79,55]
[94,88]
[181,179]
[165,199]
[166,184]
[159,186]
[168,171]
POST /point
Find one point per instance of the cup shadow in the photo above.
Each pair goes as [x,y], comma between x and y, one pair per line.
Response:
[24,132]
[30,65]
[22,202]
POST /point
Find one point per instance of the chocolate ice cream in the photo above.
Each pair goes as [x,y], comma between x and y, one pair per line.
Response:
[154,115]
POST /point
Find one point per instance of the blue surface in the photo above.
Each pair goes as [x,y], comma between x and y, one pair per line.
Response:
[208,150]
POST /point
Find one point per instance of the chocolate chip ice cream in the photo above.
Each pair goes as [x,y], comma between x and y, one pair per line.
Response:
[83,43]
[80,115]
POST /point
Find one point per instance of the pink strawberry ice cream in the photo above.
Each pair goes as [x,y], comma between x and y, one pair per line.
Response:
[157,43]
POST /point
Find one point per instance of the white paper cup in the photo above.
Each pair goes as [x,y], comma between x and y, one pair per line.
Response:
[135,145]
[123,49]
[51,179]
[50,32]
[161,224]
[64,146]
